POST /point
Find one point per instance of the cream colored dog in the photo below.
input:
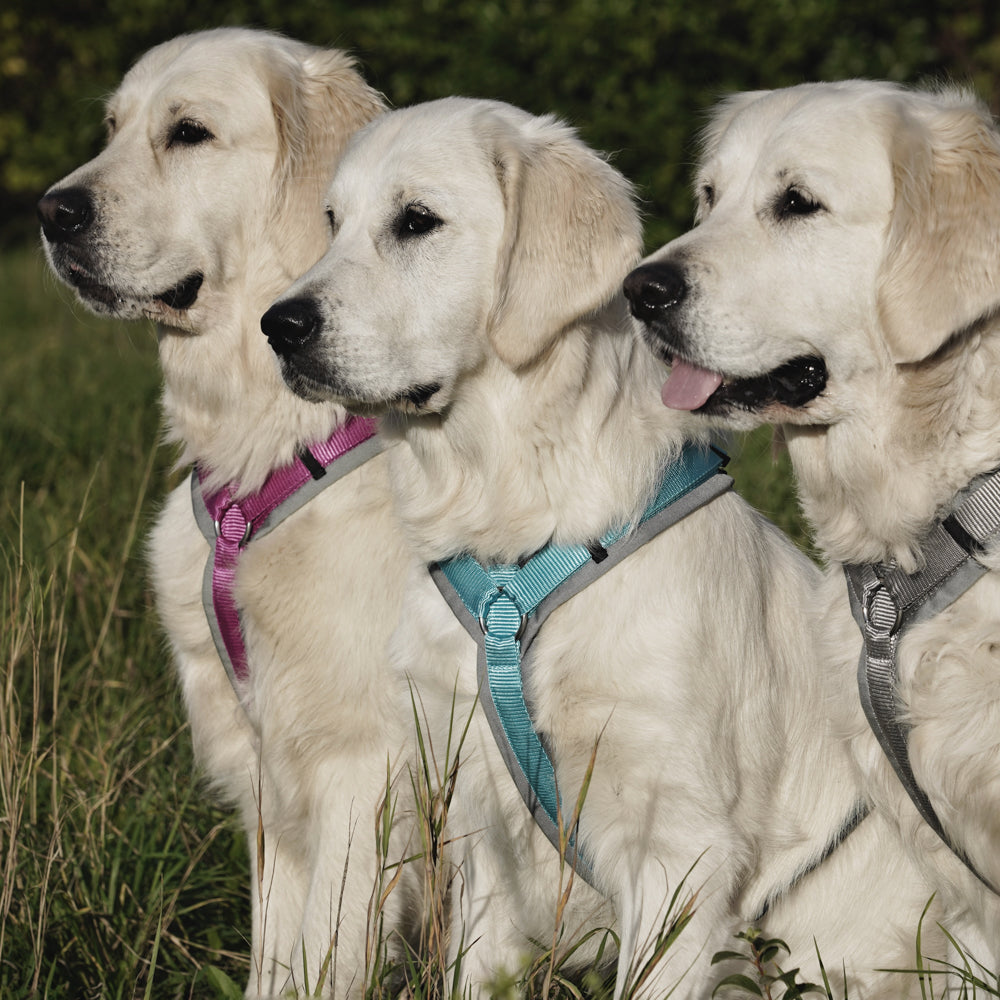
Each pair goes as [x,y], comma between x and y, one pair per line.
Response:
[843,282]
[205,203]
[471,296]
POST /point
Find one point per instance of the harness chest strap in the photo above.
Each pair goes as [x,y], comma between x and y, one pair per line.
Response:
[886,602]
[504,606]
[230,524]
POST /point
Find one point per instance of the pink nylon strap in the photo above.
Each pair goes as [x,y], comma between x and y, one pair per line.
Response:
[237,521]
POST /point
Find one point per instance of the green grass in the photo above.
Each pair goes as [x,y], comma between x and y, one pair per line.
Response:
[118,877]
[110,856]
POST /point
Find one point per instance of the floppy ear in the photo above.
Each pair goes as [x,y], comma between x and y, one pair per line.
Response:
[319,100]
[941,271]
[571,234]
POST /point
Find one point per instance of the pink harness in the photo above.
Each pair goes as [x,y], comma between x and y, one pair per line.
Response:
[229,525]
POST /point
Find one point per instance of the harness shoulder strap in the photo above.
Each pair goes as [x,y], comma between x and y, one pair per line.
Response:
[229,524]
[886,602]
[504,607]
[212,614]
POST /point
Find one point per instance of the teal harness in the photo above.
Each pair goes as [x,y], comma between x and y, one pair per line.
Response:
[503,607]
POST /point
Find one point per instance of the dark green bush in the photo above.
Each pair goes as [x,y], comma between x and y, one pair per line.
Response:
[634,77]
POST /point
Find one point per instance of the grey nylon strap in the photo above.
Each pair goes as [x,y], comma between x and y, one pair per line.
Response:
[714,486]
[886,602]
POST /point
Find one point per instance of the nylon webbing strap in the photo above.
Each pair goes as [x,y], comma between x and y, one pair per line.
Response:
[230,524]
[886,602]
[503,607]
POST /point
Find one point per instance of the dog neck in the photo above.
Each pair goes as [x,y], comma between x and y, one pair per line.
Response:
[874,482]
[556,452]
[224,399]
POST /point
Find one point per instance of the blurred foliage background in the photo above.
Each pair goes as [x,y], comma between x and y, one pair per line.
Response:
[634,76]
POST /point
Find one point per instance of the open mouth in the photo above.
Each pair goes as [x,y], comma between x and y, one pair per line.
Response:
[792,384]
[180,297]
[417,396]
[92,289]
[184,294]
[305,384]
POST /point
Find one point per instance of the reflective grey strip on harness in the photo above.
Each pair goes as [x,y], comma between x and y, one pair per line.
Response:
[603,560]
[886,602]
[311,487]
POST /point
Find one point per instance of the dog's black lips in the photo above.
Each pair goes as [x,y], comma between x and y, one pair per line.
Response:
[181,296]
[793,384]
[417,395]
[184,293]
[89,287]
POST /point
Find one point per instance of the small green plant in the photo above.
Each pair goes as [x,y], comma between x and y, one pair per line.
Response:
[766,978]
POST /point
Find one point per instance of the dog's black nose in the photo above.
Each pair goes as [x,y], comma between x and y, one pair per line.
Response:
[292,324]
[654,288]
[65,214]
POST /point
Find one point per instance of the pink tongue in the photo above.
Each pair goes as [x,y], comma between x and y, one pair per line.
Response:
[688,387]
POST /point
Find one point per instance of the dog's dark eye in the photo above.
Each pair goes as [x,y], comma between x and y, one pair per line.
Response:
[794,201]
[332,219]
[110,125]
[705,202]
[415,221]
[188,133]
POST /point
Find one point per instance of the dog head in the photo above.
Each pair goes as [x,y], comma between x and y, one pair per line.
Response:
[842,228]
[216,141]
[465,231]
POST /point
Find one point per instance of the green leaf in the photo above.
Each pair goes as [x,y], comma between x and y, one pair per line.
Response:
[744,983]
[787,978]
[827,989]
[726,956]
[799,989]
[769,944]
[768,953]
[225,988]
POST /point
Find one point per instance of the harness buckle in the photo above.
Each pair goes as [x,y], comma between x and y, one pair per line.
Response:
[487,605]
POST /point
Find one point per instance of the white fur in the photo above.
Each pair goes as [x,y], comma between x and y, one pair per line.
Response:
[710,665]
[895,282]
[320,719]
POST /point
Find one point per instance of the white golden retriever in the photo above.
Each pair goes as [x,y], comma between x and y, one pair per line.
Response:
[472,296]
[204,205]
[843,282]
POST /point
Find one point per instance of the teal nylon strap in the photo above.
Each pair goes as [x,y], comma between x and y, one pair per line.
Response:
[503,598]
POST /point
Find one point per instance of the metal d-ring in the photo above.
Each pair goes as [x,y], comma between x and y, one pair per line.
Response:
[247,531]
[489,602]
[871,594]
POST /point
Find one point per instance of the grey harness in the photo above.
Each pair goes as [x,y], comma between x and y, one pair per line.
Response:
[886,602]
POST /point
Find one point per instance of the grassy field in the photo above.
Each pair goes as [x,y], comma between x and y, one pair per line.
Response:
[119,877]
[117,873]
